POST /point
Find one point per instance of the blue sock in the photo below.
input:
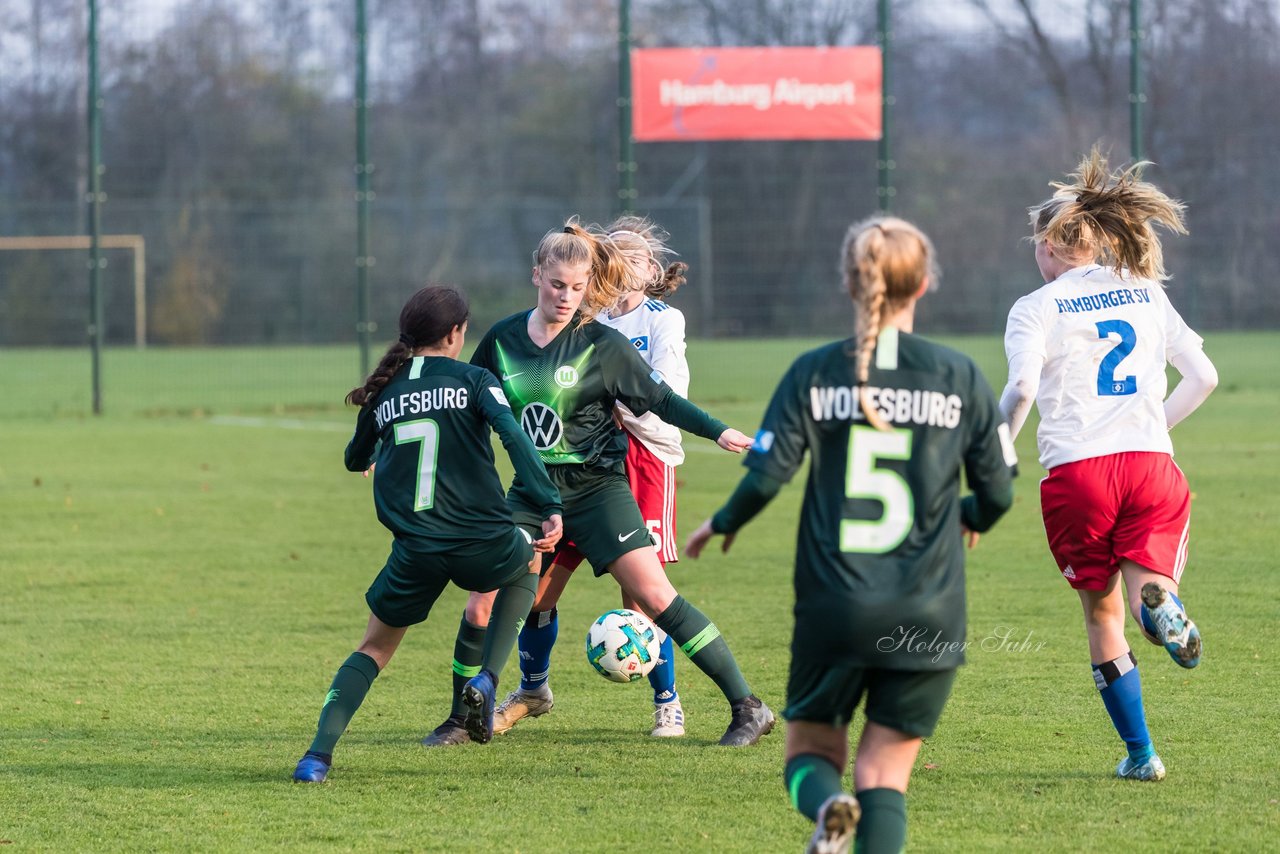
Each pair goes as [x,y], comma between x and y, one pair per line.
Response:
[1121,690]
[536,640]
[663,676]
[1146,620]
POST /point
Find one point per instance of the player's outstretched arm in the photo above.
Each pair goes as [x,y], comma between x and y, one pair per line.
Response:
[754,492]
[1020,393]
[1199,378]
[734,441]
[701,536]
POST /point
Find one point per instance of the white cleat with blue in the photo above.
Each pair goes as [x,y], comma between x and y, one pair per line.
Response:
[1173,627]
[1151,771]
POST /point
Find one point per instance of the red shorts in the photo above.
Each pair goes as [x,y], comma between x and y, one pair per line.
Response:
[653,483]
[1132,506]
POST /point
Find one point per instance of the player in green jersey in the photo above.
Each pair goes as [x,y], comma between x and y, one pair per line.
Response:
[879,568]
[424,422]
[563,374]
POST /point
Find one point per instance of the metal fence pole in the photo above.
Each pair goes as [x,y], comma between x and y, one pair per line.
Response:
[626,147]
[96,262]
[364,326]
[884,159]
[1136,95]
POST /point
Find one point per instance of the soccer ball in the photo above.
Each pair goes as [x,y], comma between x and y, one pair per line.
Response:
[622,645]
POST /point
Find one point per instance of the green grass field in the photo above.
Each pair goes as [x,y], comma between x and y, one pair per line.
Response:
[180,578]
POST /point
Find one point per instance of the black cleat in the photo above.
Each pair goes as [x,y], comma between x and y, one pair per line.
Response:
[449,733]
[751,720]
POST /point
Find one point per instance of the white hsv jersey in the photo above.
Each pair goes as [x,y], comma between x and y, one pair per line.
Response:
[1104,339]
[656,330]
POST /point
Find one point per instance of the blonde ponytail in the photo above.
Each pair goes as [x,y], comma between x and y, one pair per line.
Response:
[1109,216]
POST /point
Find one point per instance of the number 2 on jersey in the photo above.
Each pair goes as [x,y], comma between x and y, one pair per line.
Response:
[864,480]
[1109,385]
[427,432]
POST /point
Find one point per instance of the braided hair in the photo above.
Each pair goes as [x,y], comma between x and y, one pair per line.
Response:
[884,261]
[427,317]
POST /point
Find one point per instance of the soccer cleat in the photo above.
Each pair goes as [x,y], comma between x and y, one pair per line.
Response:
[478,694]
[1151,771]
[668,720]
[837,822]
[449,733]
[751,720]
[311,769]
[1174,628]
[522,704]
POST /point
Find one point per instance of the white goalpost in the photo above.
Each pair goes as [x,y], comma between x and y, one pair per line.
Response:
[133,242]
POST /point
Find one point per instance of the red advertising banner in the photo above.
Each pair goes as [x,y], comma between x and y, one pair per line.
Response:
[686,94]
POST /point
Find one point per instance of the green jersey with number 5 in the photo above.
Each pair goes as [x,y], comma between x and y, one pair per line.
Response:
[879,556]
[428,432]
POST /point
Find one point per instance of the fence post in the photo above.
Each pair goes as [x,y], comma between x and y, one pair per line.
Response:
[626,147]
[97,322]
[1136,95]
[364,326]
[884,159]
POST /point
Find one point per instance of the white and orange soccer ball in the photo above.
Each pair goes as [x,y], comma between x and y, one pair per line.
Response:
[622,645]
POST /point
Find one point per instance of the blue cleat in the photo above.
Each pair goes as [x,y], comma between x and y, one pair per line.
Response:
[479,694]
[311,769]
[1151,771]
[1173,627]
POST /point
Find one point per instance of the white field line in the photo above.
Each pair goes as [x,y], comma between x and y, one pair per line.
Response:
[695,445]
[281,423]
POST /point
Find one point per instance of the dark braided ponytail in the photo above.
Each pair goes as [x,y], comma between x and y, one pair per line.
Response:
[427,317]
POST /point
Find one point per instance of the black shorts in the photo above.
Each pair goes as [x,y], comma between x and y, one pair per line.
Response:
[908,701]
[413,579]
[600,513]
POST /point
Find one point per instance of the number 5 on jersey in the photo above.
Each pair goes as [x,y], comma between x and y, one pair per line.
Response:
[863,479]
[427,432]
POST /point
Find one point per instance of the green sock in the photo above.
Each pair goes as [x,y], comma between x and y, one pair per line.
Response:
[810,780]
[468,652]
[345,696]
[509,611]
[701,641]
[883,826]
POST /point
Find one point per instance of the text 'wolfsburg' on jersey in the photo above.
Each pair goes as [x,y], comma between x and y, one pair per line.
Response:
[563,393]
[879,555]
[435,480]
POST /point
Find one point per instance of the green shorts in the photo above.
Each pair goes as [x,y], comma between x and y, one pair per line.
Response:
[600,513]
[413,579]
[908,701]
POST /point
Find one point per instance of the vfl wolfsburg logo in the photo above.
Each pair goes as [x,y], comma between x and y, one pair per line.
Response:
[566,376]
[541,424]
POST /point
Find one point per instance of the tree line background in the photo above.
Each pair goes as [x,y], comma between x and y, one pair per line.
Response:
[229,142]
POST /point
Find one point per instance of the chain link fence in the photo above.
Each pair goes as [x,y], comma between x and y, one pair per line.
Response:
[229,142]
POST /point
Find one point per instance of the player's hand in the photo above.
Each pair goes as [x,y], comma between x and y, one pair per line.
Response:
[552,530]
[698,540]
[370,469]
[734,441]
[970,537]
[617,418]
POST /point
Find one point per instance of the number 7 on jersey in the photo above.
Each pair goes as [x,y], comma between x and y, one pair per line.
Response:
[427,432]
